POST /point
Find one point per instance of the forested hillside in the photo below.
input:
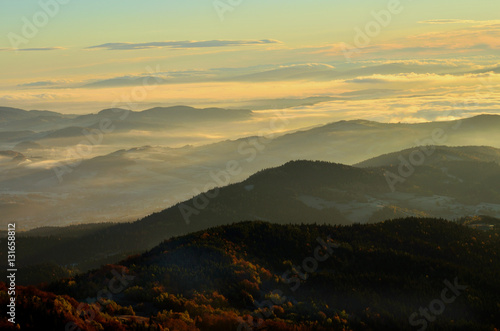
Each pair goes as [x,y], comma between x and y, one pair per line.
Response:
[296,192]
[289,277]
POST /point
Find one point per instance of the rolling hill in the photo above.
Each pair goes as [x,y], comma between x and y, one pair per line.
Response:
[48,127]
[257,275]
[120,183]
[438,156]
[297,192]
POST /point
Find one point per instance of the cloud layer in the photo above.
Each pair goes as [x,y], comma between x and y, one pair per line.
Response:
[183,44]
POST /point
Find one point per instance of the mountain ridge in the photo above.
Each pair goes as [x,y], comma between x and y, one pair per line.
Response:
[366,277]
[297,191]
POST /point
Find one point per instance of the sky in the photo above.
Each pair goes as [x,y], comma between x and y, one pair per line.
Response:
[78,56]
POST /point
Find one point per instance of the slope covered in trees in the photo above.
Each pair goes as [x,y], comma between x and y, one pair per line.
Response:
[314,277]
[299,191]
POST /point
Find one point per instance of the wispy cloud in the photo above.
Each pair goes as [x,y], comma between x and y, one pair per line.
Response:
[43,83]
[41,49]
[288,72]
[460,21]
[479,37]
[183,44]
[367,72]
[413,78]
[37,84]
[34,97]
[31,49]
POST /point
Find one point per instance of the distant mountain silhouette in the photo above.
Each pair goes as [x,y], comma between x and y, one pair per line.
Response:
[438,155]
[117,182]
[297,192]
[50,125]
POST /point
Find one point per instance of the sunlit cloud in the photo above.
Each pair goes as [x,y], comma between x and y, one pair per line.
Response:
[461,21]
[481,37]
[414,78]
[478,38]
[20,97]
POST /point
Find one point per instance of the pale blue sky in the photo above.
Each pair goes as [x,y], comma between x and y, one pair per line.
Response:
[89,22]
[301,32]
